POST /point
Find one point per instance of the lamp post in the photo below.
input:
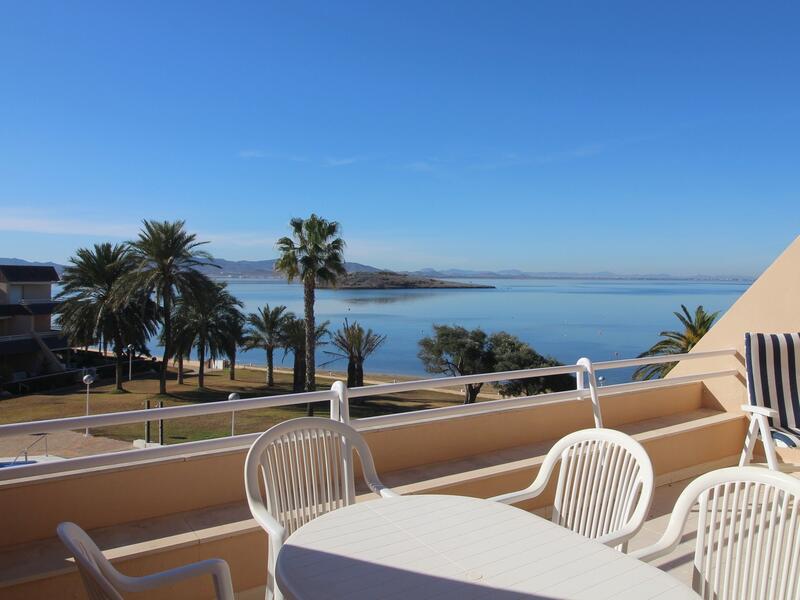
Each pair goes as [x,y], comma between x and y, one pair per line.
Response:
[130,361]
[88,379]
[233,396]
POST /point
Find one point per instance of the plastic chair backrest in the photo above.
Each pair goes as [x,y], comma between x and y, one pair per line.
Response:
[605,482]
[306,466]
[92,565]
[748,534]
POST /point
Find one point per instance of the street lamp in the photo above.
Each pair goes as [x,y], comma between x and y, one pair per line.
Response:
[130,361]
[88,379]
[233,396]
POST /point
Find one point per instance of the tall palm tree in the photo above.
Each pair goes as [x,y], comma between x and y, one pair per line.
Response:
[203,318]
[677,342]
[89,312]
[355,344]
[313,254]
[293,339]
[264,330]
[166,258]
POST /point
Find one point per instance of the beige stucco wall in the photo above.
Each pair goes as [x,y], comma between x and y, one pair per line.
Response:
[770,305]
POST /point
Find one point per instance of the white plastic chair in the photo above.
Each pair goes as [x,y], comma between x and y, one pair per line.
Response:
[748,534]
[103,582]
[306,467]
[604,488]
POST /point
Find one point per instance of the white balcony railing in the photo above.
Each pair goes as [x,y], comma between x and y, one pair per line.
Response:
[338,397]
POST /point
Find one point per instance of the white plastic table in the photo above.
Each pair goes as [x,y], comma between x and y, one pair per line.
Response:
[445,547]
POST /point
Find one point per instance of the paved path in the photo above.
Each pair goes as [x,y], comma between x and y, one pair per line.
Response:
[62,444]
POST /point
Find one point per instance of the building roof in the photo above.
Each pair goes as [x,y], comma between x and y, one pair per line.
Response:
[20,273]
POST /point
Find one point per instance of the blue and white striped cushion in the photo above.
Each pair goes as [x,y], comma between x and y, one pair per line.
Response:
[773,380]
[786,438]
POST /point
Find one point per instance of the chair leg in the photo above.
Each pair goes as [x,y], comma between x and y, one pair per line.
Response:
[769,443]
[749,442]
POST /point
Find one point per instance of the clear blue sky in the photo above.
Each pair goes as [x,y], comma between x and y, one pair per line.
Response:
[577,136]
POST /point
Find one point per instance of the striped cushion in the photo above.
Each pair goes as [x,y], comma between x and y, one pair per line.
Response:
[786,438]
[773,378]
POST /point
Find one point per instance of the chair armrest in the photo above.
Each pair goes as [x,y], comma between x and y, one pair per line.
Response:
[654,551]
[388,493]
[215,567]
[760,410]
[268,523]
[519,495]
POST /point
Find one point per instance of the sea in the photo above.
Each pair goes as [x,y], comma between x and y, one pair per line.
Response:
[562,318]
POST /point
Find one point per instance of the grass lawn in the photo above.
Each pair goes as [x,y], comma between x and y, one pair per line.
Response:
[249,383]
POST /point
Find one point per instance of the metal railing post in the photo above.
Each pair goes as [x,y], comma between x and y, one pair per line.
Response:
[589,368]
[233,396]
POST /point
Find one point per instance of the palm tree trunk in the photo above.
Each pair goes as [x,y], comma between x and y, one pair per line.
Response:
[162,384]
[232,372]
[298,373]
[180,368]
[201,356]
[119,360]
[311,339]
[118,373]
[352,373]
[270,377]
[360,373]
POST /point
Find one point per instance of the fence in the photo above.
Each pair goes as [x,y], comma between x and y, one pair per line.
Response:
[339,397]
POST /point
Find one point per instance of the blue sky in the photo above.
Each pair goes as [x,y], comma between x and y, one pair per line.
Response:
[575,136]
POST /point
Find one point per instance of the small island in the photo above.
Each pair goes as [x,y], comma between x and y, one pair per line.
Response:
[389,280]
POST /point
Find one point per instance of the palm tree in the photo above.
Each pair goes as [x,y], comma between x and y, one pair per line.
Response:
[166,258]
[203,319]
[355,345]
[89,311]
[677,342]
[264,330]
[293,339]
[313,254]
[233,338]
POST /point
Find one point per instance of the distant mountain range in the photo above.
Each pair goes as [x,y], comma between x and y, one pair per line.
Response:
[265,269]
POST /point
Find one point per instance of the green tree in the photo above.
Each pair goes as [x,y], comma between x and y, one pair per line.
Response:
[264,330]
[166,258]
[454,350]
[233,339]
[293,339]
[203,319]
[314,254]
[89,312]
[355,344]
[512,354]
[676,342]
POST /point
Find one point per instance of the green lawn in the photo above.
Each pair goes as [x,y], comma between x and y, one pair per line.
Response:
[248,383]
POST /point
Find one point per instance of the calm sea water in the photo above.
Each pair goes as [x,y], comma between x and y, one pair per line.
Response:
[565,319]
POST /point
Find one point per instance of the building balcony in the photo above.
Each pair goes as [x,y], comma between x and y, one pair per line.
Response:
[163,506]
[26,308]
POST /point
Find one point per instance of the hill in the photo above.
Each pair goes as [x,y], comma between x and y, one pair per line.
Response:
[387,280]
[264,269]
